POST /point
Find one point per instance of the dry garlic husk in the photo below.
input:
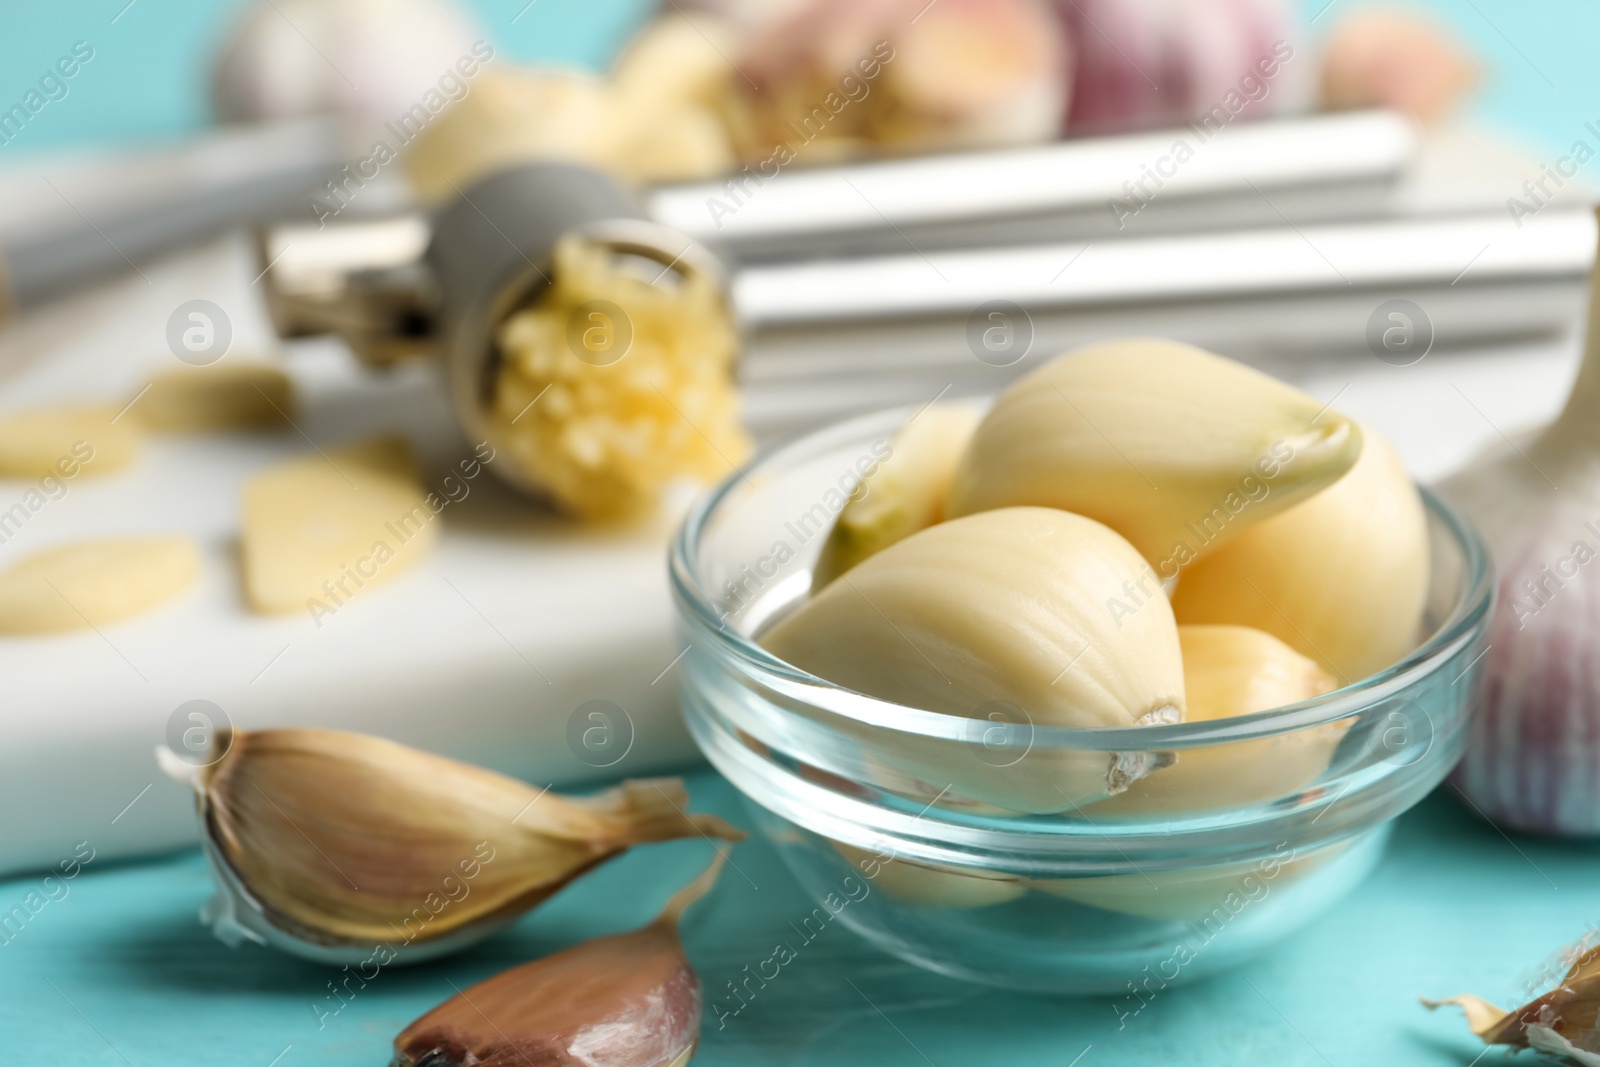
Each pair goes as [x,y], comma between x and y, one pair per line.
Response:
[931,885]
[1563,1022]
[603,413]
[348,840]
[1003,614]
[1342,577]
[1532,750]
[1234,670]
[628,1000]
[904,494]
[1174,448]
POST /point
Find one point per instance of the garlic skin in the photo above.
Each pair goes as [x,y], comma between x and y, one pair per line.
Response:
[628,1000]
[1004,609]
[906,492]
[1234,670]
[1341,578]
[345,839]
[1390,57]
[368,60]
[1174,448]
[1533,750]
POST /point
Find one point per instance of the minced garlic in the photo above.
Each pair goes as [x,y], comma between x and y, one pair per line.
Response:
[617,382]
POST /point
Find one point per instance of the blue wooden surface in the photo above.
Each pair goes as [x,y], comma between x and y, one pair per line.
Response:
[119,971]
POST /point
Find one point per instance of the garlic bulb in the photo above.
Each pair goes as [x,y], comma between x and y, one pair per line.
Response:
[905,493]
[831,78]
[1004,609]
[1174,448]
[344,839]
[1234,670]
[369,60]
[1144,63]
[1534,748]
[1341,577]
[1389,57]
[628,1000]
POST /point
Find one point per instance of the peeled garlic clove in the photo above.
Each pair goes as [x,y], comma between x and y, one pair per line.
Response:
[222,396]
[1341,577]
[905,492]
[930,886]
[67,440]
[344,840]
[1234,670]
[321,528]
[606,417]
[93,583]
[629,1000]
[1194,895]
[1174,448]
[1006,609]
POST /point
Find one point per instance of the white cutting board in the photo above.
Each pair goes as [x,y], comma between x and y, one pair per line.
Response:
[483,652]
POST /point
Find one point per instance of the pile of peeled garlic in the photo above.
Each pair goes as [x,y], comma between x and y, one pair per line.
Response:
[1137,532]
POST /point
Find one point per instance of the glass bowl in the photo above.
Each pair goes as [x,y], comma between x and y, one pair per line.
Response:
[864,799]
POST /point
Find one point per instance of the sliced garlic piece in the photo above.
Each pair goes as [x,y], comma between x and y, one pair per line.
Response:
[930,886]
[92,583]
[344,839]
[1174,448]
[1002,615]
[221,396]
[1341,577]
[87,438]
[321,527]
[1234,670]
[906,492]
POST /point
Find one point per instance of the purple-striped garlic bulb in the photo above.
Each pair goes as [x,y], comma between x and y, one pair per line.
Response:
[1533,757]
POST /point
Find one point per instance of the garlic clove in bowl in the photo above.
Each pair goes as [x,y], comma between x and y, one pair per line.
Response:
[327,844]
[1006,608]
[1235,670]
[1174,448]
[1341,577]
[904,493]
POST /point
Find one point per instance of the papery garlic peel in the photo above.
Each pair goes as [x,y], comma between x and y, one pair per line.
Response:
[628,1000]
[605,414]
[1533,751]
[1000,613]
[906,492]
[346,838]
[1562,1022]
[1341,577]
[1235,670]
[1174,448]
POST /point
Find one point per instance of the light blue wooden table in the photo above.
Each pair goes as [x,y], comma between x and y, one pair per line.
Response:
[120,972]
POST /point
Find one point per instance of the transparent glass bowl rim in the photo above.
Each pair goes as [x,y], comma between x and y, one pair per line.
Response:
[1460,628]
